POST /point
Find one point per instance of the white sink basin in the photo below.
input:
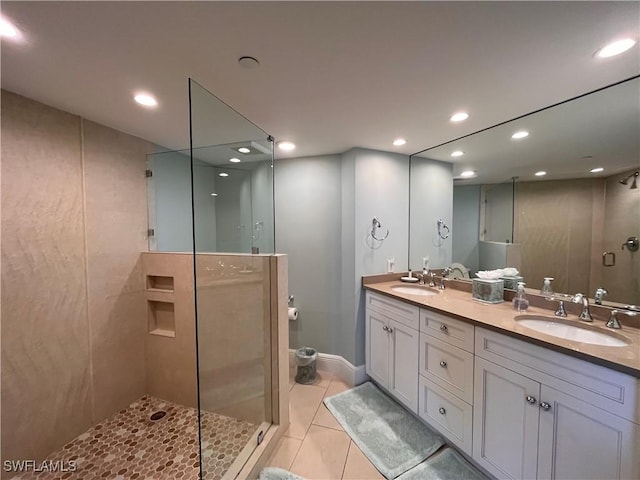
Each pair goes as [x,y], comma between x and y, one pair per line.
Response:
[569,330]
[413,290]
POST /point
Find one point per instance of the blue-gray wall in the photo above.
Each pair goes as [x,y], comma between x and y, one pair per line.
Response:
[324,210]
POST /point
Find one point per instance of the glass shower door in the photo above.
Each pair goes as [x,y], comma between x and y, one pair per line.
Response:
[233,235]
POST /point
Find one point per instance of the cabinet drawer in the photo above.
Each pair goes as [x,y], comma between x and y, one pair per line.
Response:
[447,329]
[404,313]
[602,387]
[448,366]
[446,413]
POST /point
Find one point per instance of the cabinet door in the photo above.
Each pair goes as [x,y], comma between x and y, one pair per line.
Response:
[505,421]
[580,441]
[403,381]
[377,347]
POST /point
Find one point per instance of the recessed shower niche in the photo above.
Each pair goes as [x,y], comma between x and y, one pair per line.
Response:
[157,282]
[162,318]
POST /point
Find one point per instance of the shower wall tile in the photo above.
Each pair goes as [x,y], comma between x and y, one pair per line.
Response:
[553,225]
[116,220]
[46,385]
[74,318]
[621,220]
[171,361]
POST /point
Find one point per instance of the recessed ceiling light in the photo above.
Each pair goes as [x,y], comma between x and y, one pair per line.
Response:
[145,99]
[616,48]
[398,142]
[214,194]
[541,173]
[234,160]
[457,153]
[520,134]
[9,31]
[244,150]
[459,117]
[597,170]
[468,174]
[223,174]
[287,146]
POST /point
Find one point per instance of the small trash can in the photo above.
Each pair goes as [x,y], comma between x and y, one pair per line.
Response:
[306,358]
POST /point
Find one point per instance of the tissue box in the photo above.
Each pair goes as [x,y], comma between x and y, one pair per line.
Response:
[488,291]
[512,282]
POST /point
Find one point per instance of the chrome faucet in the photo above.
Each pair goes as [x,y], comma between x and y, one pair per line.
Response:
[560,312]
[613,321]
[585,315]
[432,282]
[601,292]
[445,274]
[421,277]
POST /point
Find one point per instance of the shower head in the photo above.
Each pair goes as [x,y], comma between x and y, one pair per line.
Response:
[634,184]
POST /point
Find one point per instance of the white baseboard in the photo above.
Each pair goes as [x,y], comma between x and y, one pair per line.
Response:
[341,368]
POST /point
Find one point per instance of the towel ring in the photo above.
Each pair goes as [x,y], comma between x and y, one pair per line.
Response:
[443,230]
[375,224]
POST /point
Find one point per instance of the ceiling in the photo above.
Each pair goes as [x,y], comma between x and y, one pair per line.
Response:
[332,75]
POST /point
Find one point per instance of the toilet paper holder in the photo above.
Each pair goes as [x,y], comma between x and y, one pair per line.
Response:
[290,301]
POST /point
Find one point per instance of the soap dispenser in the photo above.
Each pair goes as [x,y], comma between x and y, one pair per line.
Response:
[520,302]
[546,291]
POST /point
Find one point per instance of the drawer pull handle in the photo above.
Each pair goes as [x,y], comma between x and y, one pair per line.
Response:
[390,330]
[443,364]
[385,328]
[442,411]
[545,406]
[531,400]
[443,328]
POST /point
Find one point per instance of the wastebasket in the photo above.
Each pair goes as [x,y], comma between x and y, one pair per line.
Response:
[306,358]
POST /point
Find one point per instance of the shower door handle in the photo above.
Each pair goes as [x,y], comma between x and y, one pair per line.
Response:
[608,259]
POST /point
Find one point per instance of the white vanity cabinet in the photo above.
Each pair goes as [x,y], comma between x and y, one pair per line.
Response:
[391,347]
[520,410]
[541,414]
[445,395]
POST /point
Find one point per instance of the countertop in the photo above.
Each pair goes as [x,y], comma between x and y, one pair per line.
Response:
[501,317]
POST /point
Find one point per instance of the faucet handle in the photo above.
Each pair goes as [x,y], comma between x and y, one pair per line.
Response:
[613,321]
[560,312]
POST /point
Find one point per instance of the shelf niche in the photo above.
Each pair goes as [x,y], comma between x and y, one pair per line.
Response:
[162,318]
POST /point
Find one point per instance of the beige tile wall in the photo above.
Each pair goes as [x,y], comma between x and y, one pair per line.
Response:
[171,361]
[621,220]
[233,316]
[73,224]
[553,223]
[564,226]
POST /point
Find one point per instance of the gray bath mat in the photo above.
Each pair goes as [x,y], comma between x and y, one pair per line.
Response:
[446,465]
[392,438]
[273,473]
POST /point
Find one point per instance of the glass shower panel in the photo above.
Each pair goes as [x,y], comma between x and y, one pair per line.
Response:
[498,204]
[233,235]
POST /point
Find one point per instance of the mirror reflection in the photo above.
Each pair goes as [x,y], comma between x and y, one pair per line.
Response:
[559,202]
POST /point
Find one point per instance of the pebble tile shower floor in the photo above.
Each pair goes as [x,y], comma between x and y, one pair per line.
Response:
[131,446]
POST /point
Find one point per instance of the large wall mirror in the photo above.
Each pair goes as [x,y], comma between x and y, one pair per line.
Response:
[575,222]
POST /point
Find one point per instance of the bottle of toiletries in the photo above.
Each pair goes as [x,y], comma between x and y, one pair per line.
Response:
[546,289]
[520,302]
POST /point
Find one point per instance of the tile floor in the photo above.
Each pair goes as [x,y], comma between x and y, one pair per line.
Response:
[315,445]
[131,446]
